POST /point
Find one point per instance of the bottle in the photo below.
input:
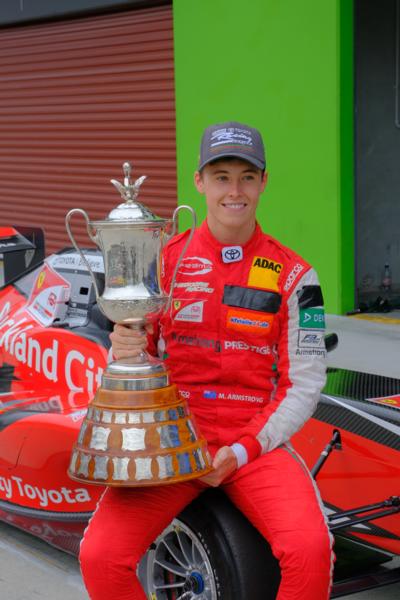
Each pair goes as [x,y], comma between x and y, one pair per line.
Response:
[387,278]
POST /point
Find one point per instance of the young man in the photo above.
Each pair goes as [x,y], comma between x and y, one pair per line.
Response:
[248,380]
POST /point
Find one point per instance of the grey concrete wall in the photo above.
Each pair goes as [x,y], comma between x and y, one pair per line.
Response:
[377,146]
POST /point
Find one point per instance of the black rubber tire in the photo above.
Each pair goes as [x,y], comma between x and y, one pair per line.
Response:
[243,564]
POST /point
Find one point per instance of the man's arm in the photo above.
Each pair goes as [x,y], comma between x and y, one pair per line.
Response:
[301,371]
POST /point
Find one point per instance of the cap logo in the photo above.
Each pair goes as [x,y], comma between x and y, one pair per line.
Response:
[232,254]
[231,135]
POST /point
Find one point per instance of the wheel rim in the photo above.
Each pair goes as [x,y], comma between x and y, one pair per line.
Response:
[178,566]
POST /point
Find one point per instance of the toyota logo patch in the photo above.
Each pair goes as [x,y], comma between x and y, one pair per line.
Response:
[232,254]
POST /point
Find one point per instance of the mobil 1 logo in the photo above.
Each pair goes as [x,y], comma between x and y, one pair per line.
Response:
[312,318]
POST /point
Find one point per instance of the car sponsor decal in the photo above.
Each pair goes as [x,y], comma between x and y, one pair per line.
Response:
[16,489]
[72,262]
[393,401]
[192,313]
[310,296]
[260,300]
[248,321]
[298,268]
[195,265]
[309,338]
[312,318]
[232,254]
[49,292]
[60,357]
[264,273]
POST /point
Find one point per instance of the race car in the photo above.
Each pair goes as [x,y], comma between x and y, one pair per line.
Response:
[54,345]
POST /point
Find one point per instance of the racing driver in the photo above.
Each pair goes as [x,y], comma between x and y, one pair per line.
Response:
[244,344]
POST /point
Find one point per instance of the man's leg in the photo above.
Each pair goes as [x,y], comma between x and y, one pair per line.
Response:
[125,523]
[278,496]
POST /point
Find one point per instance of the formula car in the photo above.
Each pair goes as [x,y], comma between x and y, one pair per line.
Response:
[54,345]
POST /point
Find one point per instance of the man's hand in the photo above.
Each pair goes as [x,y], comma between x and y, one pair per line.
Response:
[127,342]
[224,464]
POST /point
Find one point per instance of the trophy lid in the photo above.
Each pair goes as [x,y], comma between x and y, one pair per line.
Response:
[130,210]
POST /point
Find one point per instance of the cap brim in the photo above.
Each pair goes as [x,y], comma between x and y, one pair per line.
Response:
[250,159]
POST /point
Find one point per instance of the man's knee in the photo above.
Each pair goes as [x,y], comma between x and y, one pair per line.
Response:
[103,556]
[308,549]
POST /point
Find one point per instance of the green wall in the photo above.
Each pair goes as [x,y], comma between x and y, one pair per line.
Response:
[280,66]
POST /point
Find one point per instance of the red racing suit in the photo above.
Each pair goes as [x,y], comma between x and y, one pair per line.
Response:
[244,339]
[244,343]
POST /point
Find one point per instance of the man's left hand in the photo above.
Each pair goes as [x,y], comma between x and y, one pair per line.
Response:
[224,464]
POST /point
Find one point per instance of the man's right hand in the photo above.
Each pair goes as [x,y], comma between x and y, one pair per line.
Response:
[127,342]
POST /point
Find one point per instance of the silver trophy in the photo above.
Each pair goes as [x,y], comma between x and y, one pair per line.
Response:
[137,430]
[131,240]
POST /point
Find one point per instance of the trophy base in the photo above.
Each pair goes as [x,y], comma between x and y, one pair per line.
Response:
[140,437]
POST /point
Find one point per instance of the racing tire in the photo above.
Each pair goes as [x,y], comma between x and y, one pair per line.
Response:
[210,552]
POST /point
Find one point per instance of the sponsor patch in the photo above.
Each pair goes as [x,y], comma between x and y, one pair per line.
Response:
[264,273]
[199,342]
[195,286]
[231,254]
[312,318]
[292,276]
[192,313]
[309,338]
[195,265]
[243,346]
[250,321]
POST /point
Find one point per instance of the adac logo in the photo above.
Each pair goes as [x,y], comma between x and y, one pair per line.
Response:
[264,273]
[195,265]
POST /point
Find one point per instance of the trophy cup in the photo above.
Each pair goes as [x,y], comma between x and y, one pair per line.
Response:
[137,430]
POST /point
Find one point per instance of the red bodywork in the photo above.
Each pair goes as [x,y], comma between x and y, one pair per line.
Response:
[49,373]
[362,473]
[55,372]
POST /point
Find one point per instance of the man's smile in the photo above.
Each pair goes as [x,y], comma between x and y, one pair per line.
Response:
[234,205]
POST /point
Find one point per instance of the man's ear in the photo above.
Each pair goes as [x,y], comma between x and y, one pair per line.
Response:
[264,180]
[198,182]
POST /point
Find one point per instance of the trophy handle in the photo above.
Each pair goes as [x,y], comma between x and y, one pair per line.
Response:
[174,229]
[75,245]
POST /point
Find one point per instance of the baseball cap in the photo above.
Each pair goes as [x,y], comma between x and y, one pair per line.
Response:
[232,139]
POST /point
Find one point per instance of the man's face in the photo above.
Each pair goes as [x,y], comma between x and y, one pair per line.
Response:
[232,189]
